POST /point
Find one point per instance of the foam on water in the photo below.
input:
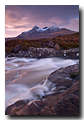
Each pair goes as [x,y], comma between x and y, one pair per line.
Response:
[11,66]
[42,64]
[11,62]
[34,93]
[17,59]
[37,69]
[13,90]
[65,63]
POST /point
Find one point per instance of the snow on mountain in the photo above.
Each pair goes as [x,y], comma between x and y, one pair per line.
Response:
[42,29]
[38,29]
[54,28]
[32,30]
[26,31]
[45,32]
[35,27]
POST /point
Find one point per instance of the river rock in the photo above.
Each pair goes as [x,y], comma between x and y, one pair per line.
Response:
[64,100]
[31,49]
[17,48]
[73,55]
[56,47]
[46,52]
[50,44]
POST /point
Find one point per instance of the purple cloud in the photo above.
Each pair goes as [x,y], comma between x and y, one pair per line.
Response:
[19,18]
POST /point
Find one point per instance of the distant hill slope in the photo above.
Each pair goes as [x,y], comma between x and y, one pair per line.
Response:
[45,32]
[65,42]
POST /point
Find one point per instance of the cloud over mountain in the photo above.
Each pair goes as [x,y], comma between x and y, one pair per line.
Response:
[20,18]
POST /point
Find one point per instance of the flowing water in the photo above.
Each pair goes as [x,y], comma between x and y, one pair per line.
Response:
[23,75]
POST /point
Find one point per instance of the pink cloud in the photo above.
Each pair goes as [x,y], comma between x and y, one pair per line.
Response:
[73,24]
[20,20]
[58,21]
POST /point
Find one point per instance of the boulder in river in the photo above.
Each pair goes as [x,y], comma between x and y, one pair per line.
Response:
[63,101]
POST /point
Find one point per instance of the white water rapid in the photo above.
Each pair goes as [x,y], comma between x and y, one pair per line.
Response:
[23,75]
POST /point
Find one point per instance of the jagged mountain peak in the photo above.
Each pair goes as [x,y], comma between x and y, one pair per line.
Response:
[45,32]
[38,29]
[54,28]
[35,27]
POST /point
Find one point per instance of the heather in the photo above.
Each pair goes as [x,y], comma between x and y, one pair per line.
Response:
[65,42]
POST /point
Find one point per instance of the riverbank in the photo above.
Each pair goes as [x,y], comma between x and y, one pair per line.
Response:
[33,52]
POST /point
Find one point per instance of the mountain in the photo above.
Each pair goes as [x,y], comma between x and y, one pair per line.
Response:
[45,32]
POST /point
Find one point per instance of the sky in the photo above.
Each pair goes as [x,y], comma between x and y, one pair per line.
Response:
[20,18]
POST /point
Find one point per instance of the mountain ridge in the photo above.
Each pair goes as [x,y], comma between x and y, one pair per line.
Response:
[45,32]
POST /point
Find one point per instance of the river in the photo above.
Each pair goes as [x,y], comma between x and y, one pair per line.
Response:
[22,74]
